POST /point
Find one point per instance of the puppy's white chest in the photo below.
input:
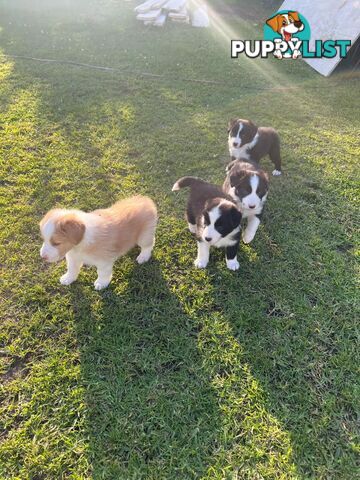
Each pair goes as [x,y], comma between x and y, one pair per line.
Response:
[86,259]
[240,152]
[227,241]
[243,151]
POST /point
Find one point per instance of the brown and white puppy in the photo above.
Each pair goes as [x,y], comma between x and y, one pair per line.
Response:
[248,142]
[99,237]
[214,219]
[286,25]
[248,185]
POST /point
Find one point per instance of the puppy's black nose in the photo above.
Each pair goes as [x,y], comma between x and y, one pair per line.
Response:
[252,206]
[208,239]
[235,144]
[298,24]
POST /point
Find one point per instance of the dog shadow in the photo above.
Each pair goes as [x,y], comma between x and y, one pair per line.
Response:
[148,395]
[283,309]
[156,370]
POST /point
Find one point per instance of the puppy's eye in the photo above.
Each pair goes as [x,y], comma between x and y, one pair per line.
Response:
[206,218]
[284,22]
[241,193]
[55,244]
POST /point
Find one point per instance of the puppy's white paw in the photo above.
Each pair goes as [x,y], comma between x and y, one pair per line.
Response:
[296,54]
[276,173]
[66,279]
[232,264]
[100,285]
[278,54]
[143,257]
[200,263]
[248,237]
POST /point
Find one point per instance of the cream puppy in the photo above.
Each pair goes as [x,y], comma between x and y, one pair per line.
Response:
[98,238]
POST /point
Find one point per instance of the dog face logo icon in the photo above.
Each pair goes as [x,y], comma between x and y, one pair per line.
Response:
[287,26]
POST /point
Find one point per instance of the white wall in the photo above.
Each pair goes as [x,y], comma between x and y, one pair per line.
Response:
[329,20]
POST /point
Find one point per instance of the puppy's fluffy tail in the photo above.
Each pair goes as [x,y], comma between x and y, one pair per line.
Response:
[187,182]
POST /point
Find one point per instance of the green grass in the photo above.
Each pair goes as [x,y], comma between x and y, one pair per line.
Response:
[174,373]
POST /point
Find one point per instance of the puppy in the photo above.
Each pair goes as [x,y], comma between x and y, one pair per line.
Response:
[248,185]
[99,237]
[249,142]
[214,219]
[286,25]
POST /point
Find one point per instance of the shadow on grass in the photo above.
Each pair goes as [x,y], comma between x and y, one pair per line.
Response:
[293,313]
[151,410]
[168,393]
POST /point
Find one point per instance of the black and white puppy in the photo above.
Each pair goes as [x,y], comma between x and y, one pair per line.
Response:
[248,185]
[213,217]
[249,142]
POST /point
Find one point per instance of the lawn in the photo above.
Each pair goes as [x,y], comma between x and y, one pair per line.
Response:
[174,372]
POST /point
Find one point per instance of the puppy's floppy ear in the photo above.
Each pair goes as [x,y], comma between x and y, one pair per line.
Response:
[229,166]
[236,177]
[72,228]
[231,124]
[235,216]
[251,131]
[253,127]
[265,177]
[295,16]
[205,213]
[273,22]
[234,180]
